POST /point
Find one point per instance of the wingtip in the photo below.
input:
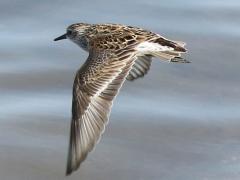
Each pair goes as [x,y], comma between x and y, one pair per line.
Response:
[69,171]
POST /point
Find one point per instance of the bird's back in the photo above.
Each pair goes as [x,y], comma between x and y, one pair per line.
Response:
[116,36]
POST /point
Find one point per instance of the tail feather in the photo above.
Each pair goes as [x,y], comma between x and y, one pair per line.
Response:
[176,45]
[162,55]
[180,43]
[170,57]
[173,54]
[179,60]
[164,49]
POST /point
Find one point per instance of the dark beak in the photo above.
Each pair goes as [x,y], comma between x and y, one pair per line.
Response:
[64,36]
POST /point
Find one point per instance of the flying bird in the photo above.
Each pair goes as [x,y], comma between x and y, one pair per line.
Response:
[116,52]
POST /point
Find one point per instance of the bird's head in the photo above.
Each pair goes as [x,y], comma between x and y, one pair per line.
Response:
[74,32]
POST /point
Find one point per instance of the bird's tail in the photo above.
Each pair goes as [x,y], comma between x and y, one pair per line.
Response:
[170,50]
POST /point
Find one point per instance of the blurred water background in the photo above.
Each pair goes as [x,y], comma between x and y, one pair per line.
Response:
[180,122]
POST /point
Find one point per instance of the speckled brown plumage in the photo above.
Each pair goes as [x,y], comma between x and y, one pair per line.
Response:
[116,52]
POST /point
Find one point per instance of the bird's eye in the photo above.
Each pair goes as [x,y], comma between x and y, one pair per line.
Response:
[69,32]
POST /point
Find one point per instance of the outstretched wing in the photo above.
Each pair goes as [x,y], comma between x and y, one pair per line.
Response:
[95,86]
[140,67]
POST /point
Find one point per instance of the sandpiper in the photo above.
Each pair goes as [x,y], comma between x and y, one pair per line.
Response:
[116,52]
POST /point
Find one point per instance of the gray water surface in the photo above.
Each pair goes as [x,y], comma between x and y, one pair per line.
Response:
[180,122]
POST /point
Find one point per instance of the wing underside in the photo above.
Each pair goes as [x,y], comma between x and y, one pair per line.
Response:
[93,93]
